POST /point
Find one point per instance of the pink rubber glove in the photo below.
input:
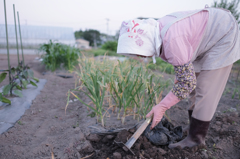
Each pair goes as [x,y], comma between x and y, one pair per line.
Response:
[159,110]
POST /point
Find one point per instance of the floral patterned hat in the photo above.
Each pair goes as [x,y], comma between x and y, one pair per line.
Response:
[139,37]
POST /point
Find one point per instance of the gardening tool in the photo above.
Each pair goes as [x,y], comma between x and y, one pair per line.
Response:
[127,146]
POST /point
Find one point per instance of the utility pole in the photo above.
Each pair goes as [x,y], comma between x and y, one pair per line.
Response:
[95,43]
[107,28]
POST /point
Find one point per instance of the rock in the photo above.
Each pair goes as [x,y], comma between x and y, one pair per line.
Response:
[78,155]
[105,140]
[87,147]
[232,109]
[94,138]
[77,130]
[147,155]
[128,157]
[162,151]
[81,136]
[78,148]
[218,123]
[146,145]
[224,119]
[109,137]
[132,130]
[216,139]
[137,146]
[65,156]
[117,155]
[234,114]
[205,155]
[216,127]
[231,119]
[218,146]
[145,139]
[225,126]
[232,128]
[140,138]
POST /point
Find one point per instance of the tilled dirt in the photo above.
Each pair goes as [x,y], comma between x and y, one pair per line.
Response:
[45,128]
[222,133]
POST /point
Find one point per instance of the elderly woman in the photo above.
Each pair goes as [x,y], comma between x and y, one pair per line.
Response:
[202,45]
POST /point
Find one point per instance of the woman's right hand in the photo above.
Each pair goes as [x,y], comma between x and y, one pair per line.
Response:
[159,109]
[157,112]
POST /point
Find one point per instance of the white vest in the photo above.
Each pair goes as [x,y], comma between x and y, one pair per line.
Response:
[220,43]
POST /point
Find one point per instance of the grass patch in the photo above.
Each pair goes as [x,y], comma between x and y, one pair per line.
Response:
[101,52]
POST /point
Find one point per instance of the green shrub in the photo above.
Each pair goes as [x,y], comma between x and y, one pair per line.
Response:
[110,45]
[57,54]
[161,66]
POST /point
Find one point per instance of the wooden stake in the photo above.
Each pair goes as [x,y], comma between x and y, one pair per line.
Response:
[16,32]
[7,40]
[20,38]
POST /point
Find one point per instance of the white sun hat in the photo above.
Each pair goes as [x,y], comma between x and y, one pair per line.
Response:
[139,37]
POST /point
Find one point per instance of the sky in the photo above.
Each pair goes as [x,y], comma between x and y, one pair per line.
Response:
[103,15]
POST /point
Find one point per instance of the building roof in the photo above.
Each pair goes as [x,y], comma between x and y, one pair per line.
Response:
[82,41]
[39,32]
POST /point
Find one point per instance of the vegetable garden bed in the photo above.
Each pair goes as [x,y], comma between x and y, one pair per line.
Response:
[45,129]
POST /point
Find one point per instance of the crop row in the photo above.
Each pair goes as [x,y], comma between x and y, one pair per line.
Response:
[127,87]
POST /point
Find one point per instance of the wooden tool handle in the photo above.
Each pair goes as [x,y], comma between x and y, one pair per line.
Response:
[139,131]
[142,128]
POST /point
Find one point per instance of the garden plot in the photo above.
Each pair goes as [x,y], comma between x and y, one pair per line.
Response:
[45,129]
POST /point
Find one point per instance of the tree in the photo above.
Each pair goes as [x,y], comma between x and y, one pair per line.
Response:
[93,36]
[78,34]
[231,6]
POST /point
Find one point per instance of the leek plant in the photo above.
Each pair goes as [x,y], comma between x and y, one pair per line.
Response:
[97,91]
[125,90]
[127,87]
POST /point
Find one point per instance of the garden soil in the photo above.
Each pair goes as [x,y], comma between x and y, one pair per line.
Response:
[46,130]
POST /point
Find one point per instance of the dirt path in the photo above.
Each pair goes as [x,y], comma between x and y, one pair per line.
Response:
[45,128]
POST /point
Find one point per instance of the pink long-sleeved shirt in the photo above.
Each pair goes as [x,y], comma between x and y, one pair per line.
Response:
[181,41]
[182,38]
